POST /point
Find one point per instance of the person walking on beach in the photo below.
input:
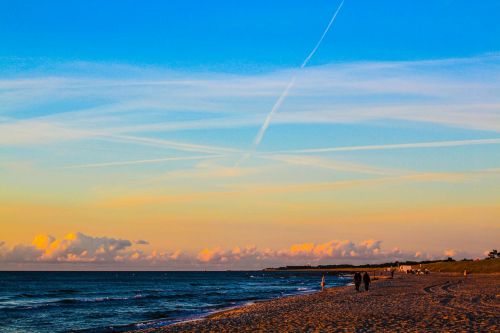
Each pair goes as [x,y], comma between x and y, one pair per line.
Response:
[323,283]
[357,280]
[366,281]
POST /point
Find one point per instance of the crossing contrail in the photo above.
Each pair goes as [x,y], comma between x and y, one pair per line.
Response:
[434,144]
[133,162]
[284,94]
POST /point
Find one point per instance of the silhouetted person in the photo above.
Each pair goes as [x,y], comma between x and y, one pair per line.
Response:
[366,281]
[357,280]
[392,272]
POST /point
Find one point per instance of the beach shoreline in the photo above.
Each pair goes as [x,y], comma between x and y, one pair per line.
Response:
[153,325]
[435,302]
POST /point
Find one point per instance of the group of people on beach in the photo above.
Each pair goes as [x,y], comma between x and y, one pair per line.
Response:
[358,278]
[365,278]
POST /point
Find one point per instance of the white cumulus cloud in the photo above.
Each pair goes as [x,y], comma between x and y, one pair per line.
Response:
[81,249]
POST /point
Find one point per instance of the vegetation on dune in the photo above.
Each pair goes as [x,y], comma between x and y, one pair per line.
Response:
[477,266]
[491,264]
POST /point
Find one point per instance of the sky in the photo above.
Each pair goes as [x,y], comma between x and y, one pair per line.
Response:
[241,135]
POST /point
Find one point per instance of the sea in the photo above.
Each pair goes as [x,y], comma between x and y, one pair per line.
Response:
[97,302]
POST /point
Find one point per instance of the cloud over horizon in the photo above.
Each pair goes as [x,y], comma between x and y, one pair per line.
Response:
[79,248]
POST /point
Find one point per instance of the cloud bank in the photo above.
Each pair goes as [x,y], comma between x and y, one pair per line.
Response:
[46,251]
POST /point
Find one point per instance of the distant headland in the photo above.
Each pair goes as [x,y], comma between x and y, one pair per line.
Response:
[488,265]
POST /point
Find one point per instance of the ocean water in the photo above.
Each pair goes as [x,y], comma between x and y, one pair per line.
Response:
[123,301]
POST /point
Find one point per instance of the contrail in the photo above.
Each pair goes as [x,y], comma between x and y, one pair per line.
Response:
[322,36]
[330,164]
[267,121]
[435,144]
[284,94]
[182,146]
[156,160]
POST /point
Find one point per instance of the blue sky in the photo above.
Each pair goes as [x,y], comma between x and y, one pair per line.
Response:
[130,119]
[243,36]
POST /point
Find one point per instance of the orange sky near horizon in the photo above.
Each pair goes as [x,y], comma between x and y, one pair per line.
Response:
[418,214]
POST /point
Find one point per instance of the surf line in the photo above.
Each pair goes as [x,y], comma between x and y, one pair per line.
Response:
[260,135]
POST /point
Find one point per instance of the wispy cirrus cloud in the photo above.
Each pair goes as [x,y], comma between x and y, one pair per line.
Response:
[243,190]
[330,164]
[142,116]
[454,92]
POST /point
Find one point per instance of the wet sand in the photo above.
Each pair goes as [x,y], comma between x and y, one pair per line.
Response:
[408,303]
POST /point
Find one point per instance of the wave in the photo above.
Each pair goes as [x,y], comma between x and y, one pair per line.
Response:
[215,293]
[169,317]
[62,302]
[106,305]
[148,291]
[92,300]
[167,314]
[49,293]
[66,291]
[76,301]
[224,296]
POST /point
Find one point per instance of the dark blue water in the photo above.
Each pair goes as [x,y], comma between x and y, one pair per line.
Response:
[121,301]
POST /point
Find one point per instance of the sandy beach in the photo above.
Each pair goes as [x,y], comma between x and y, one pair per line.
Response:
[437,302]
